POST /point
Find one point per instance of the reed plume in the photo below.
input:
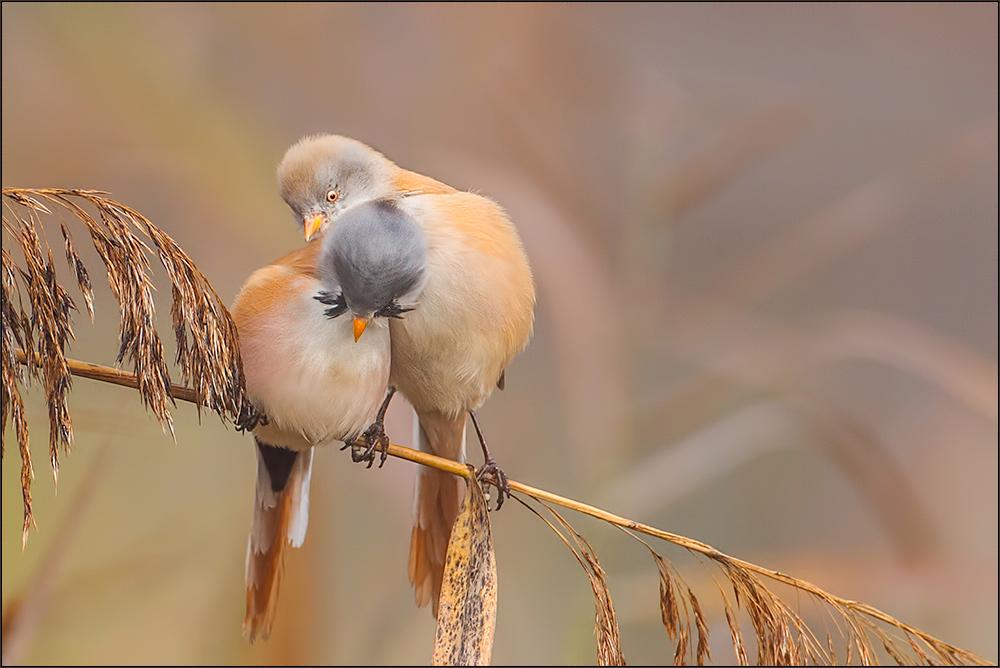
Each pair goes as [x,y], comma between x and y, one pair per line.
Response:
[37,312]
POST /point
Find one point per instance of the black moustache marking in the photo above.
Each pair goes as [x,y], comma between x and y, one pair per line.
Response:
[336,302]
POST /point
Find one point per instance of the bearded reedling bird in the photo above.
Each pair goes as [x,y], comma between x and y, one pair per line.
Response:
[311,373]
[476,311]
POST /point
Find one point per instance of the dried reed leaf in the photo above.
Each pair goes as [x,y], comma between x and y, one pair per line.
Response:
[468,604]
[207,342]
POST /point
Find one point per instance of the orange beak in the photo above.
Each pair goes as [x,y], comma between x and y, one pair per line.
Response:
[313,224]
[359,327]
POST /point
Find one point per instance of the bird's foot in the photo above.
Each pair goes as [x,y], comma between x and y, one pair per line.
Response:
[248,419]
[491,474]
[374,439]
[372,442]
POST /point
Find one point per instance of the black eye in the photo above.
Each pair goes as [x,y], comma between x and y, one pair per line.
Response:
[336,302]
[332,196]
[393,310]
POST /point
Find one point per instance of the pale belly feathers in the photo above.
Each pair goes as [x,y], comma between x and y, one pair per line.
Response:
[315,383]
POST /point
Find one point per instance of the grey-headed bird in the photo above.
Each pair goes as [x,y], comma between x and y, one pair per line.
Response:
[314,339]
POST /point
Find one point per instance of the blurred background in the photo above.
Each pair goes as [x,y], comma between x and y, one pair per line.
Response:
[765,244]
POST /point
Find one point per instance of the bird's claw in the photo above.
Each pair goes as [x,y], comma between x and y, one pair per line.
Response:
[491,474]
[371,442]
[250,416]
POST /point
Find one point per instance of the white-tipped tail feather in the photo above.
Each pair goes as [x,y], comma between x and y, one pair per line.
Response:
[278,517]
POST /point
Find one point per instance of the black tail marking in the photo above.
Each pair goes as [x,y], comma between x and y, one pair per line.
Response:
[278,462]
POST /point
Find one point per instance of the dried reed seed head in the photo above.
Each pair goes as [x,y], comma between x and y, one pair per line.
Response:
[668,598]
[702,651]
[207,343]
[737,636]
[212,362]
[783,638]
[14,323]
[609,652]
[681,651]
[897,656]
[82,277]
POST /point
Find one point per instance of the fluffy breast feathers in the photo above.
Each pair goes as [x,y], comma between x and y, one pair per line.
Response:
[303,369]
[476,310]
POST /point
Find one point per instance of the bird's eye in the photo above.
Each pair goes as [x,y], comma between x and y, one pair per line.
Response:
[332,196]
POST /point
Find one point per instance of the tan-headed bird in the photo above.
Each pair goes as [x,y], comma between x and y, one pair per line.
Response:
[475,313]
[314,339]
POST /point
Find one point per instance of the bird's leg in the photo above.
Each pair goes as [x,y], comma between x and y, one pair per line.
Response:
[490,473]
[374,439]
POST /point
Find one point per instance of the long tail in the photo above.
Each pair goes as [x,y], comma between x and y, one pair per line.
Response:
[435,504]
[280,515]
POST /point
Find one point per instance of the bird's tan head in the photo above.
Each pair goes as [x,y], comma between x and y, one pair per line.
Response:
[321,176]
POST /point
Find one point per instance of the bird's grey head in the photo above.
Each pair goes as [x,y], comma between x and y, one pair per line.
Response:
[322,176]
[373,263]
